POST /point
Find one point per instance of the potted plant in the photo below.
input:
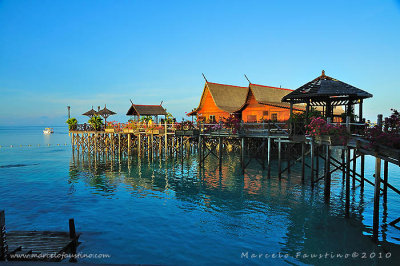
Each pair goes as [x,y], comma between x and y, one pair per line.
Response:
[110,127]
[96,122]
[72,123]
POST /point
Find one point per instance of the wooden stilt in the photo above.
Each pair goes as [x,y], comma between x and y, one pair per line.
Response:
[317,161]
[129,143]
[269,158]
[312,163]
[343,166]
[288,158]
[385,180]
[139,144]
[279,158]
[220,152]
[3,244]
[302,161]
[375,226]
[242,153]
[327,177]
[347,203]
[354,167]
[199,149]
[362,163]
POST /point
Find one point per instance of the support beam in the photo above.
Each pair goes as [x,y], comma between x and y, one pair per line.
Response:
[385,180]
[269,158]
[327,185]
[347,203]
[375,225]
[279,159]
[302,161]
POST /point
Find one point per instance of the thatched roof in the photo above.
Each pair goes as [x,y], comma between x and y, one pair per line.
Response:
[90,113]
[325,88]
[138,109]
[231,98]
[106,112]
[228,97]
[269,95]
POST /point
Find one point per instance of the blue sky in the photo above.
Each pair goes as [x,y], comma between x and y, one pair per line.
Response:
[84,53]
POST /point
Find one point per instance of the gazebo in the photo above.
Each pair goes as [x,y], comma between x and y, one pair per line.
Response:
[90,113]
[144,110]
[105,113]
[328,92]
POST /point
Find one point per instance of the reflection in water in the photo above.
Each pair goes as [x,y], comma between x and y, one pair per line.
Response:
[281,215]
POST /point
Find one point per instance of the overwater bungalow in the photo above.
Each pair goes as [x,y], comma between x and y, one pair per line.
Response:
[251,104]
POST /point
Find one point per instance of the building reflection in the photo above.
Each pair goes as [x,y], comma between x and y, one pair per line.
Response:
[283,208]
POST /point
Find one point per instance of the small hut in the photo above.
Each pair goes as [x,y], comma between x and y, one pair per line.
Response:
[328,92]
[138,110]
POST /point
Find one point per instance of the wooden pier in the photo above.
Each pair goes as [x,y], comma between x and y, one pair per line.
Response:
[50,246]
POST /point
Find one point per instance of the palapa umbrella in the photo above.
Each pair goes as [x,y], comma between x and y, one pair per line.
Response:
[90,113]
[105,113]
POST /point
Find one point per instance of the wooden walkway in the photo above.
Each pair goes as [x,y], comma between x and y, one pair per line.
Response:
[50,246]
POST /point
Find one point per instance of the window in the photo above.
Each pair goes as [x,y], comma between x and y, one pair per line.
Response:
[251,118]
[212,118]
[265,113]
[274,117]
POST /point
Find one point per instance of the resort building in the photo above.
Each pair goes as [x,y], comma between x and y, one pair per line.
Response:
[251,104]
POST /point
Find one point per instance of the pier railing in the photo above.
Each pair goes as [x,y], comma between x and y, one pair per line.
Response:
[266,128]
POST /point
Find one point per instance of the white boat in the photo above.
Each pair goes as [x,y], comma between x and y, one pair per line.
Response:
[48,130]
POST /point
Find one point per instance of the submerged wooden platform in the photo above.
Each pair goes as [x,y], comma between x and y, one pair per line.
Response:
[50,246]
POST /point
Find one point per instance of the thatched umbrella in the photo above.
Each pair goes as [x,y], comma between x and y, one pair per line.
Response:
[105,113]
[90,113]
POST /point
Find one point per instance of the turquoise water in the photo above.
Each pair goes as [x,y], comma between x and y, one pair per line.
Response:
[140,210]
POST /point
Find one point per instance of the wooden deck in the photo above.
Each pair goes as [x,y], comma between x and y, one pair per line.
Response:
[49,246]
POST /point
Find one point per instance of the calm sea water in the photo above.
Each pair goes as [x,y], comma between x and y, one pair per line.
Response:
[140,210]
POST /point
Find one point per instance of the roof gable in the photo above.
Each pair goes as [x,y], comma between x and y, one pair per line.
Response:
[139,109]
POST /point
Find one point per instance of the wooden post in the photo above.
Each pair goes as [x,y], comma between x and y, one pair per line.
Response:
[242,154]
[312,163]
[347,203]
[139,144]
[302,161]
[327,177]
[199,149]
[279,158]
[288,159]
[348,124]
[3,244]
[362,163]
[291,119]
[343,166]
[385,180]
[375,226]
[72,236]
[269,157]
[317,161]
[354,168]
[220,152]
[119,144]
[129,143]
[166,138]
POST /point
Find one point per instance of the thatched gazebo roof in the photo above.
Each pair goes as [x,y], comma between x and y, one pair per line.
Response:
[90,113]
[325,89]
[105,112]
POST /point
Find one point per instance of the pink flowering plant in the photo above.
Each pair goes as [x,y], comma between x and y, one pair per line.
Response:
[232,122]
[389,136]
[319,127]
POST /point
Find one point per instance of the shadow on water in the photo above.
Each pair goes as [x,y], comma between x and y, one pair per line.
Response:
[284,212]
[17,165]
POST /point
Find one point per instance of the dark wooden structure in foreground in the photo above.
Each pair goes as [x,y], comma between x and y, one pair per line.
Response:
[50,246]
